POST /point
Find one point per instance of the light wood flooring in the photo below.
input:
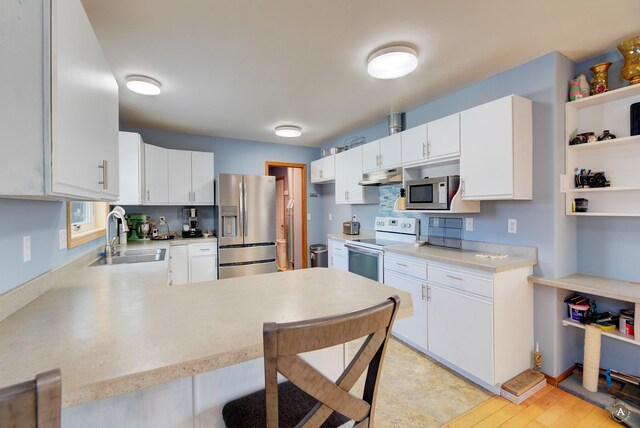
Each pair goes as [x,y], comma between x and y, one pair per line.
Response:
[550,407]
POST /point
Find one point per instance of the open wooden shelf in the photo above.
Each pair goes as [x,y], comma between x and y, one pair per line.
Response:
[604,189]
[606,97]
[603,214]
[615,334]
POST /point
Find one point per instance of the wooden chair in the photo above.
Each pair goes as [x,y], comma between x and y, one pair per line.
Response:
[309,399]
[34,403]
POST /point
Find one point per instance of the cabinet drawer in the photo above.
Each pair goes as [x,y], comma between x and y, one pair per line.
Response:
[461,280]
[202,249]
[411,267]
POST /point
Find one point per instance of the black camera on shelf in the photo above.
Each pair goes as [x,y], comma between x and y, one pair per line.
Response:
[596,179]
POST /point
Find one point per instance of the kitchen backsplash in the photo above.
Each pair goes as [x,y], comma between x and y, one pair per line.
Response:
[174,216]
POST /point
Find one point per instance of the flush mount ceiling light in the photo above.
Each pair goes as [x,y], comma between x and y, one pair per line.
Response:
[143,85]
[392,62]
[288,131]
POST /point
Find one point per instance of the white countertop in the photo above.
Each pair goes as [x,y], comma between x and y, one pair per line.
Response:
[596,285]
[464,258]
[120,328]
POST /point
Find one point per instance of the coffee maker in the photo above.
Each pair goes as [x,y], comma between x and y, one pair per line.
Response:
[191,230]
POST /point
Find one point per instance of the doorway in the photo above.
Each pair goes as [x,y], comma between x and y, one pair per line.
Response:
[291,213]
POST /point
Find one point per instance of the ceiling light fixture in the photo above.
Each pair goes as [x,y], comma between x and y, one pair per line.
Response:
[392,62]
[288,131]
[143,85]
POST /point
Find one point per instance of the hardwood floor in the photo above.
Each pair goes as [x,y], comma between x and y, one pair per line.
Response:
[550,407]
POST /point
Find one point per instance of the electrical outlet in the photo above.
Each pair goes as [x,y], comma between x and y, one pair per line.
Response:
[469,224]
[512,225]
[329,216]
[62,239]
[26,248]
[308,216]
[163,218]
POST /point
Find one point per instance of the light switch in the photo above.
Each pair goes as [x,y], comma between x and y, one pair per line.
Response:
[329,216]
[26,248]
[469,224]
[512,225]
[62,239]
[308,216]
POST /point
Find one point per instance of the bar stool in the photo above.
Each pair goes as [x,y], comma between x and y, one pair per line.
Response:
[309,399]
[34,403]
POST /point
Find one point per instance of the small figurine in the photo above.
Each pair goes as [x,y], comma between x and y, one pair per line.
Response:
[574,90]
[584,85]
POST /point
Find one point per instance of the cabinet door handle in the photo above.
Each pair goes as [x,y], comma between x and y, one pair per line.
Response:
[428,293]
[462,185]
[428,148]
[148,195]
[321,173]
[401,264]
[424,150]
[205,249]
[454,277]
[105,174]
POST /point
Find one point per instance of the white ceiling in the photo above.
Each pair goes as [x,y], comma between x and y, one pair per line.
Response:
[238,68]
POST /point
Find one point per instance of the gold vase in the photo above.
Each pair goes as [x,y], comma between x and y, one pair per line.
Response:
[600,82]
[630,50]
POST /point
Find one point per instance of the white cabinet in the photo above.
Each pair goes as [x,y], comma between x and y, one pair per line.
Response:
[461,330]
[348,169]
[202,178]
[131,165]
[190,263]
[338,257]
[496,150]
[179,265]
[323,170]
[179,176]
[60,142]
[435,141]
[618,158]
[410,274]
[156,178]
[191,178]
[384,153]
[203,262]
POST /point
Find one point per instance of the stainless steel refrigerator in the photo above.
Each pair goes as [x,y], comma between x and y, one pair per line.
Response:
[246,224]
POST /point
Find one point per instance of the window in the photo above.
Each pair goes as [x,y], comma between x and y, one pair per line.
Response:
[85,222]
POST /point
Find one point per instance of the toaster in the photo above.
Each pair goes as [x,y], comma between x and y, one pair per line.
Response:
[351,228]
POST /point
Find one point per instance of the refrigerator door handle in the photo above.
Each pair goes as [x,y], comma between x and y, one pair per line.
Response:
[245,220]
[242,207]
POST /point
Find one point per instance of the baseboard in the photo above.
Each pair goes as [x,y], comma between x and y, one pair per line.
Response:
[14,299]
[554,381]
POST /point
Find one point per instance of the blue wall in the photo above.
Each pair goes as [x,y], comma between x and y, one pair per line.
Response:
[40,220]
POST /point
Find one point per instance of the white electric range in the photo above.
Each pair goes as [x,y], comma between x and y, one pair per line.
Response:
[366,255]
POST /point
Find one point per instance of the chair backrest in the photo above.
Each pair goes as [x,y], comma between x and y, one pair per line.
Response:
[283,342]
[34,403]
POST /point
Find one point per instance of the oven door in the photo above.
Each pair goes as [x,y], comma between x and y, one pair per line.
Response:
[366,262]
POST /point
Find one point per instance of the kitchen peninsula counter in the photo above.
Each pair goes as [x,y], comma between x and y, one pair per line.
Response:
[116,329]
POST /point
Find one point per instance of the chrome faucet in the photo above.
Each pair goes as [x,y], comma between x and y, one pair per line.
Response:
[117,212]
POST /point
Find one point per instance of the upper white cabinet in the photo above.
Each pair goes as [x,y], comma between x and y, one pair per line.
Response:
[323,170]
[190,178]
[617,158]
[61,127]
[156,177]
[131,169]
[348,175]
[384,153]
[496,150]
[435,141]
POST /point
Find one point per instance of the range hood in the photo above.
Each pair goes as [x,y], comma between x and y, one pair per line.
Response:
[377,178]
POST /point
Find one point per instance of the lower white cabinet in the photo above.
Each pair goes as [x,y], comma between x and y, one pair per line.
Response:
[412,330]
[478,323]
[338,257]
[191,263]
[461,330]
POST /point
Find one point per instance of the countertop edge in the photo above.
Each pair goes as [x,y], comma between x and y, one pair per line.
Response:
[578,282]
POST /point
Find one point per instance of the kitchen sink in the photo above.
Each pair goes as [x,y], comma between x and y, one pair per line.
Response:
[132,256]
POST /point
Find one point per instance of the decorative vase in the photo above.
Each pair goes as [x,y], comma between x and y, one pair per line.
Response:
[630,50]
[600,82]
[574,90]
[584,85]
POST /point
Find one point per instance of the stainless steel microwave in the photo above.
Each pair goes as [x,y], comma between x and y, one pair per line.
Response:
[431,193]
